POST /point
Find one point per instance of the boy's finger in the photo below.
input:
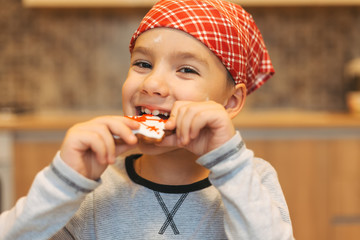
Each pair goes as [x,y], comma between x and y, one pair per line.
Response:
[186,122]
[124,136]
[171,122]
[203,119]
[114,122]
[120,129]
[103,132]
[94,142]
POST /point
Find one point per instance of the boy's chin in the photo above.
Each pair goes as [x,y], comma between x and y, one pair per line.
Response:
[154,149]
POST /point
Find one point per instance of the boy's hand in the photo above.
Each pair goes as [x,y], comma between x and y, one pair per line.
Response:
[89,147]
[200,126]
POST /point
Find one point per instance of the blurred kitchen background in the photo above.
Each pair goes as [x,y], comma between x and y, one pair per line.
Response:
[59,66]
[78,58]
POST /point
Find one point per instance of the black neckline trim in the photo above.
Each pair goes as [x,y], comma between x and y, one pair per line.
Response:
[129,164]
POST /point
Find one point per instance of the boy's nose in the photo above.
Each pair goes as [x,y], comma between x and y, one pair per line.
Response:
[155,84]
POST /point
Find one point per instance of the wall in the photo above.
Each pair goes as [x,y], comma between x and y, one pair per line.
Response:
[78,58]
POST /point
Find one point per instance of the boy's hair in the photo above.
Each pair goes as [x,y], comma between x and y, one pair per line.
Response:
[225,28]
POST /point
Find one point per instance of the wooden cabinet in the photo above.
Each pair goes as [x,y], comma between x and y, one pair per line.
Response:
[321,182]
[344,190]
[32,152]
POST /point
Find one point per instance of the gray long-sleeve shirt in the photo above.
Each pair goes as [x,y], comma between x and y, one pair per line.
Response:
[241,199]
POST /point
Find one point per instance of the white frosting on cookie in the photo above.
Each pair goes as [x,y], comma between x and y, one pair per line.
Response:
[150,126]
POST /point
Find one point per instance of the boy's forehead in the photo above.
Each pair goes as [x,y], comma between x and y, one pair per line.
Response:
[182,45]
[161,34]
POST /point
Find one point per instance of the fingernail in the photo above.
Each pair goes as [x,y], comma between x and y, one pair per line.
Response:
[132,137]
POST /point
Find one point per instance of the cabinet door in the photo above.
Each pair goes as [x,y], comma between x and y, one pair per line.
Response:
[347,231]
[32,152]
[303,174]
[345,189]
[321,183]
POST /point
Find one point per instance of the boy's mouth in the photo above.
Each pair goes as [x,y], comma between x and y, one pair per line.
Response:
[161,114]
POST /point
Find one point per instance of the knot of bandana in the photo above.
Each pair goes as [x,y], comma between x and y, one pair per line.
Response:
[225,28]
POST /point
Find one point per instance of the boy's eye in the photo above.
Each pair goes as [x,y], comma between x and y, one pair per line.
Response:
[188,70]
[142,64]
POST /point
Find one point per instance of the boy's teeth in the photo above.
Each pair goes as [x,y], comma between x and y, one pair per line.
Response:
[147,111]
[154,112]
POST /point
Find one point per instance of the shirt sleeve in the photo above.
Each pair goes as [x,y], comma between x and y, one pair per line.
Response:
[53,199]
[255,207]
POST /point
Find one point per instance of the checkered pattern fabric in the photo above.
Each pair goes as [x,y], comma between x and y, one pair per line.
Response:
[225,28]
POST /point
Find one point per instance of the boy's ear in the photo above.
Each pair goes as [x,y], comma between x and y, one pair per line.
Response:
[236,101]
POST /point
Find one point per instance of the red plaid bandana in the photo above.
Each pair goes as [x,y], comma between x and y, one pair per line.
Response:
[225,28]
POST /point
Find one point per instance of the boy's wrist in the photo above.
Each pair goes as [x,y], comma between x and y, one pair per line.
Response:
[72,178]
[222,153]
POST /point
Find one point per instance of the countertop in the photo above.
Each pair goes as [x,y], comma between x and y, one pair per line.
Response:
[297,119]
[264,119]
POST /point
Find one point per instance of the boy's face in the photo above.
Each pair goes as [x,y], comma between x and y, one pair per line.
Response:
[169,65]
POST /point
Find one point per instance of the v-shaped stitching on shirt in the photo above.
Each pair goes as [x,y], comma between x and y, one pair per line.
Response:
[170,215]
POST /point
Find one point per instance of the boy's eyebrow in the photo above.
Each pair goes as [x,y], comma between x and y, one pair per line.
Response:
[191,56]
[184,55]
[142,50]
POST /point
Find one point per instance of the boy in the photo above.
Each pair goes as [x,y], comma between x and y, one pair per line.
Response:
[194,61]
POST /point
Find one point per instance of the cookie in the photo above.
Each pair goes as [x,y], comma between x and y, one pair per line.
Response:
[151,128]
